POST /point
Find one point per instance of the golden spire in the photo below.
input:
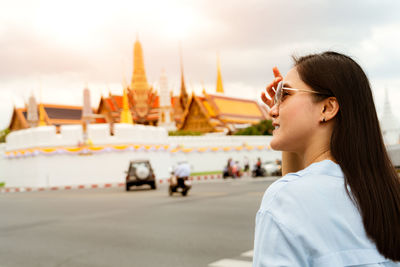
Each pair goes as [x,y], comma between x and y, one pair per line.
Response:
[139,83]
[42,121]
[126,115]
[139,79]
[184,97]
[204,88]
[220,87]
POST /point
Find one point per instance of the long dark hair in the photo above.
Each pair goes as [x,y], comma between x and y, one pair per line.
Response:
[357,145]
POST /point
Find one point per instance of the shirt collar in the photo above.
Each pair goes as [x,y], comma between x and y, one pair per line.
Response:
[325,167]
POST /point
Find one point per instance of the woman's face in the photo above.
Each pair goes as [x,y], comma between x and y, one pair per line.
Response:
[297,117]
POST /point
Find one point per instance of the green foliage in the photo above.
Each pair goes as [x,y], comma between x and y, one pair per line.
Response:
[2,184]
[181,132]
[264,127]
[3,134]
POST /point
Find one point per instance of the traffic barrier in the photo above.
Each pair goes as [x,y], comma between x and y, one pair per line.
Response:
[95,186]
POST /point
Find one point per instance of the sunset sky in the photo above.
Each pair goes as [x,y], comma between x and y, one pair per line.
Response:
[54,48]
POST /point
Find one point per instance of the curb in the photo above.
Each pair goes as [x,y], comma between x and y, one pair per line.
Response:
[56,188]
[94,186]
[196,178]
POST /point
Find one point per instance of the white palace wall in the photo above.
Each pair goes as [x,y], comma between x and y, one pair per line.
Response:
[39,157]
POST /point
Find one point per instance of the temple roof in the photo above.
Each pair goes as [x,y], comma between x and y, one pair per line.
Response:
[227,112]
[55,115]
[235,109]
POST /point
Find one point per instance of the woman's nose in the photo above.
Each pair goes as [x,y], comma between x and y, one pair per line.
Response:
[274,111]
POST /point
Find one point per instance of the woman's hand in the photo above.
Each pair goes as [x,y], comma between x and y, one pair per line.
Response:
[271,88]
[290,161]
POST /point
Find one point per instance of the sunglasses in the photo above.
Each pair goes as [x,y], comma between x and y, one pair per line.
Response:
[280,89]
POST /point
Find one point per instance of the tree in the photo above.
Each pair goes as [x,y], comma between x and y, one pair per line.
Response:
[182,132]
[3,134]
[264,127]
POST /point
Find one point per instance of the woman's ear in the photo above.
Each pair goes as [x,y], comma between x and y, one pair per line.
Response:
[330,108]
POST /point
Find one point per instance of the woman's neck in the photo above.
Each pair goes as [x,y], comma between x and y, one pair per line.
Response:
[312,157]
[294,162]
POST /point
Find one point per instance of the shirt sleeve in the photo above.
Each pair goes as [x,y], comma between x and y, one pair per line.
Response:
[275,245]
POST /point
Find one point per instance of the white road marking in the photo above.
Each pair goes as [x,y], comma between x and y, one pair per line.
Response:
[231,263]
[247,254]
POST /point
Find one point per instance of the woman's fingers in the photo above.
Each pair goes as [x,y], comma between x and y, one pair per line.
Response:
[271,88]
[277,73]
[278,76]
[266,100]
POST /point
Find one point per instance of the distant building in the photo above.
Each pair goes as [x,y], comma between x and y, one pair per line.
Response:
[53,115]
[390,125]
[143,101]
[218,113]
[165,116]
[140,104]
[32,110]
[112,106]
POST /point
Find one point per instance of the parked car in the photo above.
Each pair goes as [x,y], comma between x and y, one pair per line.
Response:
[273,168]
[139,173]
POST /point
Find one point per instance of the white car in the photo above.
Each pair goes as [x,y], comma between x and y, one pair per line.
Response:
[272,168]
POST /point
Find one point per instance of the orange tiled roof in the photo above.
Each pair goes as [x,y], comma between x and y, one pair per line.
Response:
[156,102]
[110,104]
[236,107]
[175,101]
[119,100]
[55,114]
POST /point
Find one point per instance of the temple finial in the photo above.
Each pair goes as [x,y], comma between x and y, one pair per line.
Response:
[184,97]
[220,87]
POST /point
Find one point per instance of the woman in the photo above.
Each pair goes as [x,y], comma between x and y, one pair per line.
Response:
[339,201]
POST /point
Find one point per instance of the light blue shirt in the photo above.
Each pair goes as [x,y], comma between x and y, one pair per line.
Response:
[307,219]
[182,170]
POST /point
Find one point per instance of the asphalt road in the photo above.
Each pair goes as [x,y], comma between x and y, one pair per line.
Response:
[212,226]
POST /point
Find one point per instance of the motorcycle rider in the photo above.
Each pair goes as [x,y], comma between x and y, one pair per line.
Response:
[180,179]
[182,171]
[258,171]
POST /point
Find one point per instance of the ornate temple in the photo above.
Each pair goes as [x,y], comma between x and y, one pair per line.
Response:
[49,114]
[220,113]
[142,100]
[217,113]
[141,104]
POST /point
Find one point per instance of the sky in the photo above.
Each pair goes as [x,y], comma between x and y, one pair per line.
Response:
[53,49]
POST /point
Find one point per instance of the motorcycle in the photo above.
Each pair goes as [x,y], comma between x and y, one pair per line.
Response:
[258,171]
[179,185]
[233,171]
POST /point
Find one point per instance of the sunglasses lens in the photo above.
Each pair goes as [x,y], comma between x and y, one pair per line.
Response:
[278,94]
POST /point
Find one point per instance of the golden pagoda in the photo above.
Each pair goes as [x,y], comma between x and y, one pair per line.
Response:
[139,84]
[141,100]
